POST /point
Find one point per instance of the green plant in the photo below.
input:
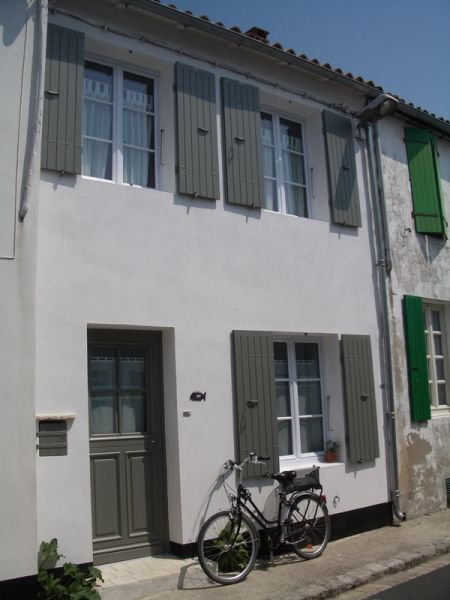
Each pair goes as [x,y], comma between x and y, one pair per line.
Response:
[72,583]
[331,446]
[233,552]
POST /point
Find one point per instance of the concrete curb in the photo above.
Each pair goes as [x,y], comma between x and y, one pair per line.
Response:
[328,588]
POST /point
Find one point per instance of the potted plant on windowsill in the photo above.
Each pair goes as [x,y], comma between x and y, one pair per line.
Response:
[331,451]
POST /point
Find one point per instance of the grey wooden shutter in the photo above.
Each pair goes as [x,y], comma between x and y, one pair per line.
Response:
[63,97]
[342,179]
[255,398]
[242,143]
[361,415]
[197,154]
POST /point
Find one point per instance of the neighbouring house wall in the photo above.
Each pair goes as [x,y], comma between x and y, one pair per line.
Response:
[18,542]
[421,267]
[119,256]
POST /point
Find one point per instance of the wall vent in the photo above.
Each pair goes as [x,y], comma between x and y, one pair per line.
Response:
[447,485]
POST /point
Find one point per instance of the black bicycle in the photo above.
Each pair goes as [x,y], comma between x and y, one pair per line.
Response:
[229,540]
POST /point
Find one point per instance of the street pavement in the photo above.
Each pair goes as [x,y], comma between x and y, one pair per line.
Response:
[345,565]
[427,581]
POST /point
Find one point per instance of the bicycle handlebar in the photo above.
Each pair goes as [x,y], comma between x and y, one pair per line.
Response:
[252,458]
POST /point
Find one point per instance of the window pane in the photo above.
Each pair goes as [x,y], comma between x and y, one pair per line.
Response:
[139,167]
[96,159]
[102,368]
[435,320]
[309,398]
[133,413]
[138,129]
[439,362]
[307,360]
[311,434]
[291,135]
[138,92]
[442,394]
[270,195]
[97,120]
[132,368]
[438,344]
[268,155]
[283,399]
[280,356]
[267,129]
[285,437]
[98,81]
[296,200]
[294,168]
[103,414]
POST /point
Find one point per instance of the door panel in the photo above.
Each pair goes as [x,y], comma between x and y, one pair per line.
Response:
[105,497]
[127,452]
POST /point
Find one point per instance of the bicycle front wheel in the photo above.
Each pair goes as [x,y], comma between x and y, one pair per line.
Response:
[227,547]
[308,528]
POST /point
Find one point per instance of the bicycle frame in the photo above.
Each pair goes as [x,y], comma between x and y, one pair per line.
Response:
[239,502]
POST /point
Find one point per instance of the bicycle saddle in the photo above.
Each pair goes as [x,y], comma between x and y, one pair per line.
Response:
[285,476]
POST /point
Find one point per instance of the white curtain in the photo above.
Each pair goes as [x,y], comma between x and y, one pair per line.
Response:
[137,131]
[97,123]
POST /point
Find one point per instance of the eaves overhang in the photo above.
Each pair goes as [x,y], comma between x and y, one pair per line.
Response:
[277,52]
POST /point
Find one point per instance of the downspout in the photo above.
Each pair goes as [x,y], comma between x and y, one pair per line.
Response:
[33,145]
[384,266]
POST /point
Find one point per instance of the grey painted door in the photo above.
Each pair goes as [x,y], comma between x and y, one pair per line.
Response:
[128,490]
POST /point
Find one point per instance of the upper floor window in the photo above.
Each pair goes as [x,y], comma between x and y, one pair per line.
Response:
[118,125]
[298,383]
[436,355]
[283,165]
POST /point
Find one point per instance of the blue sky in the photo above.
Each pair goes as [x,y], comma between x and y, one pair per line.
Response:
[402,45]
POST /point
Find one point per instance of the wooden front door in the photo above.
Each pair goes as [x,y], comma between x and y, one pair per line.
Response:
[128,490]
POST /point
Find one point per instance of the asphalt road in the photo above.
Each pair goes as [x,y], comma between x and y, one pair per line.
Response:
[432,586]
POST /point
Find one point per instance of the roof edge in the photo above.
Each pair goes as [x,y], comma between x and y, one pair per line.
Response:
[170,12]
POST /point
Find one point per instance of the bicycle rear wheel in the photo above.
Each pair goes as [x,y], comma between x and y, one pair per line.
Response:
[308,528]
[227,547]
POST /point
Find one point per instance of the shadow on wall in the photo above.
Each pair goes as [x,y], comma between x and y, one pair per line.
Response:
[13,19]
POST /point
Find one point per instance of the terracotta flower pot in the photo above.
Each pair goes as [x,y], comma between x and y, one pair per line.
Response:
[330,456]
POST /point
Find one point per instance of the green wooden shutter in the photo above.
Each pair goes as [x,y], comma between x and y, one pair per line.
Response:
[63,97]
[197,154]
[361,414]
[342,179]
[425,182]
[416,352]
[242,143]
[255,398]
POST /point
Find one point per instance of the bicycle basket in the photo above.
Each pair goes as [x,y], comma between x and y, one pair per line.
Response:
[309,481]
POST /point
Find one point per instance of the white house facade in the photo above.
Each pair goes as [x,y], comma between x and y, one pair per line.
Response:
[200,279]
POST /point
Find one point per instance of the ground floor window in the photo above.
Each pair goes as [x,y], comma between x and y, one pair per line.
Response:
[298,382]
[437,355]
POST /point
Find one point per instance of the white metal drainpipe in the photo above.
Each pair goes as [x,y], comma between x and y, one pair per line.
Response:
[385,265]
[33,145]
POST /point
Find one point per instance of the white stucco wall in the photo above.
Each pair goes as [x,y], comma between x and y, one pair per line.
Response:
[421,268]
[118,256]
[18,542]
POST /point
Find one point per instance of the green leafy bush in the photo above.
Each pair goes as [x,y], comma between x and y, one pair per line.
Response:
[72,583]
[233,553]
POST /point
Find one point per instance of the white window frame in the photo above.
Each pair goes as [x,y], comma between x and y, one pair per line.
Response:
[279,171]
[117,127]
[433,357]
[293,396]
